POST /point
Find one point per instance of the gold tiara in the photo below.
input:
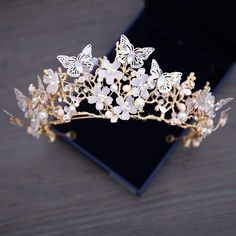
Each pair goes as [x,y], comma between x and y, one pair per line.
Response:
[119,90]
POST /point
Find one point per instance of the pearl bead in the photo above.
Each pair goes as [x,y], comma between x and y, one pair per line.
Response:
[126,88]
[72,108]
[182,107]
[114,87]
[139,103]
[108,114]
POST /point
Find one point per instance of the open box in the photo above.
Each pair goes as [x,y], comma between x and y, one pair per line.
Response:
[188,36]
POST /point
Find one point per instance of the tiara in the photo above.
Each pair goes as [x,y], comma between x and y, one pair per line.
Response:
[118,90]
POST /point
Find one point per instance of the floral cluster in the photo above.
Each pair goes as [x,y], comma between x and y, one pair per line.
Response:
[119,90]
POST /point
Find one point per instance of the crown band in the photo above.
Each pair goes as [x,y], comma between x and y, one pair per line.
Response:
[119,90]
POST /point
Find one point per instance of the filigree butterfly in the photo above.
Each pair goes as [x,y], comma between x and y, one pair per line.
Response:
[163,81]
[80,64]
[126,53]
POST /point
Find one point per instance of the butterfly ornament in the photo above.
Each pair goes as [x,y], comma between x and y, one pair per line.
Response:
[127,54]
[78,65]
[163,81]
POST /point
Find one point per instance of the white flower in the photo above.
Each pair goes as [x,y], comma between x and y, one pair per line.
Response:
[160,107]
[110,71]
[85,77]
[39,117]
[205,101]
[140,84]
[100,97]
[125,108]
[75,100]
[69,112]
[52,80]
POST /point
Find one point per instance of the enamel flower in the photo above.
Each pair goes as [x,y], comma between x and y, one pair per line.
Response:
[125,108]
[52,80]
[110,114]
[110,71]
[140,85]
[100,97]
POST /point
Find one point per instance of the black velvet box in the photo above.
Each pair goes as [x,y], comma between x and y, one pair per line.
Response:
[188,36]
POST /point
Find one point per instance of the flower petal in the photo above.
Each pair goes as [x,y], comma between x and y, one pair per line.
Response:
[102,73]
[135,91]
[114,119]
[125,115]
[116,65]
[144,94]
[129,100]
[52,88]
[117,110]
[118,75]
[109,100]
[99,105]
[105,63]
[133,110]
[120,101]
[92,99]
[105,90]
[110,79]
[46,79]
[135,82]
